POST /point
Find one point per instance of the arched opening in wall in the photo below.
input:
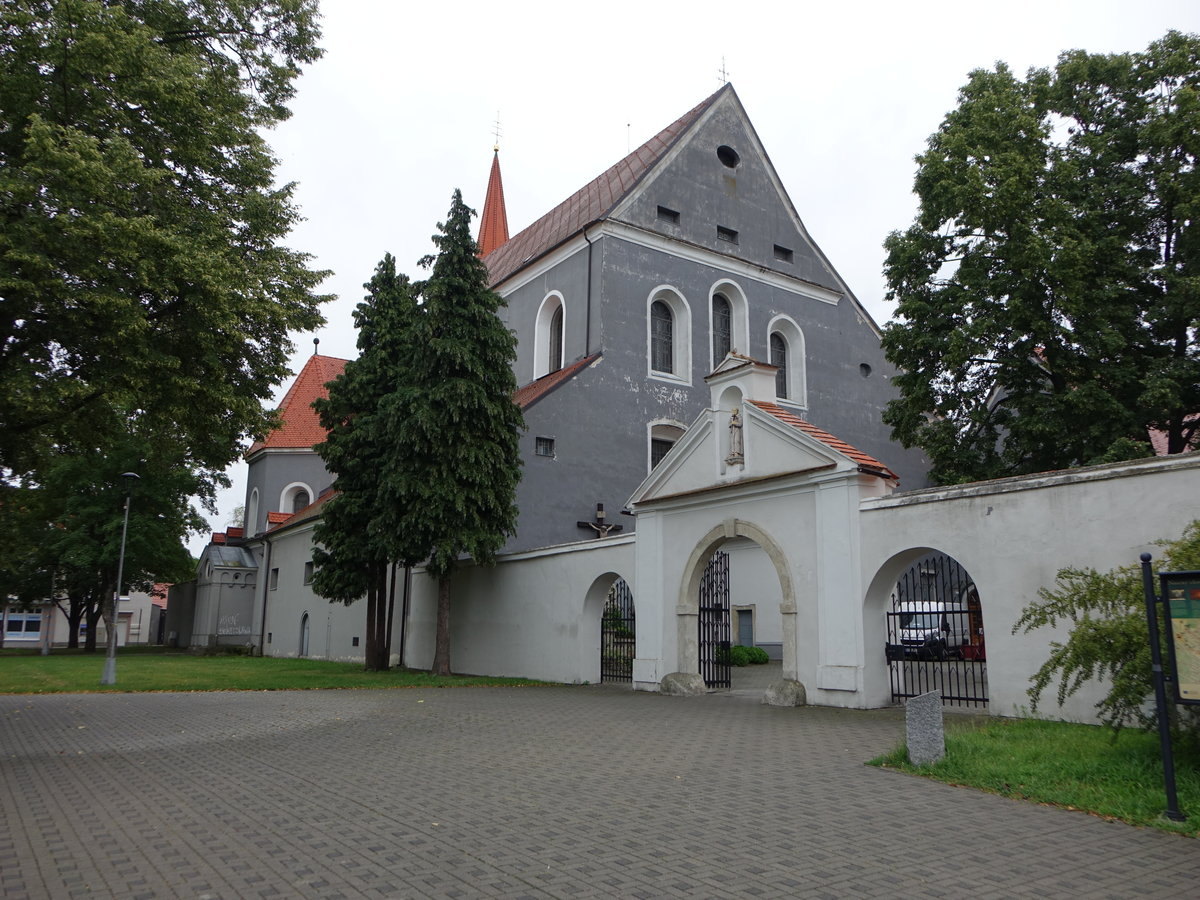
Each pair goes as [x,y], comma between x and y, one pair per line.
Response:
[548,336]
[933,633]
[663,436]
[295,497]
[669,336]
[618,634]
[251,523]
[785,345]
[728,322]
[736,618]
[303,649]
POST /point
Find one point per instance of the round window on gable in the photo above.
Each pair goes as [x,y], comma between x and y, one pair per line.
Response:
[728,156]
[864,370]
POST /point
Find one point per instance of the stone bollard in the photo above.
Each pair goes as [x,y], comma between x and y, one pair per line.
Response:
[923,725]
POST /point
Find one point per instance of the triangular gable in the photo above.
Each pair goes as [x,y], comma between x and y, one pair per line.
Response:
[589,204]
[689,178]
[299,425]
[773,448]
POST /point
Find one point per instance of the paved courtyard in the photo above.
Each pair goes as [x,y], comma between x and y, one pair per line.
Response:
[518,792]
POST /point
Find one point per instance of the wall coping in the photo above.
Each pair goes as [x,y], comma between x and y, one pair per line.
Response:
[1039,481]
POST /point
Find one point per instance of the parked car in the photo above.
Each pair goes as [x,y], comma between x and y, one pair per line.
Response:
[928,629]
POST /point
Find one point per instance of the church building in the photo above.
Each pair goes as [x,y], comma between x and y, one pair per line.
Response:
[683,261]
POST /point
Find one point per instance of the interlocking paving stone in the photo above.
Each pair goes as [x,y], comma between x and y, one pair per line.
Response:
[570,792]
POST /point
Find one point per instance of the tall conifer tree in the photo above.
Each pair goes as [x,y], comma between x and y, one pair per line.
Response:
[457,460]
[356,539]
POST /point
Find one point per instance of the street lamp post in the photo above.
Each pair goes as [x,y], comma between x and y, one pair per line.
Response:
[110,660]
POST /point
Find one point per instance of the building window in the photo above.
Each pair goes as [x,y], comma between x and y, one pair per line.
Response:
[783,254]
[273,582]
[252,514]
[670,216]
[728,156]
[23,626]
[543,446]
[779,360]
[722,328]
[727,234]
[308,572]
[299,501]
[548,334]
[662,338]
[556,339]
[295,497]
[786,343]
[663,436]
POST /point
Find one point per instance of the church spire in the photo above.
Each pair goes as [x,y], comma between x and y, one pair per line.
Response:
[493,224]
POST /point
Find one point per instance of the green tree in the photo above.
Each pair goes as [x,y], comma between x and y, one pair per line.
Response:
[1109,639]
[67,527]
[458,462]
[1048,290]
[141,263]
[356,538]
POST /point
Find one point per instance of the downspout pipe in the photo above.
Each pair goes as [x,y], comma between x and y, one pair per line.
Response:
[266,586]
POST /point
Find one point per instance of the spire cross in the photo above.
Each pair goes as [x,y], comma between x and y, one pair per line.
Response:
[496,131]
[723,74]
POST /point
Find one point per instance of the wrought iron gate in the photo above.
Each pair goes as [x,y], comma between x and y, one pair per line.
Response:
[935,634]
[617,634]
[714,622]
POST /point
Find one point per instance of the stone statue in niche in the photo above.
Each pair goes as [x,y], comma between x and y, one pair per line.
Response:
[736,455]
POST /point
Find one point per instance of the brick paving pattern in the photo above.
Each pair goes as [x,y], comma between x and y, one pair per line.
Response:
[518,792]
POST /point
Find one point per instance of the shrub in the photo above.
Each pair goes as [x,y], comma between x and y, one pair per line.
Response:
[739,656]
[758,656]
[1108,638]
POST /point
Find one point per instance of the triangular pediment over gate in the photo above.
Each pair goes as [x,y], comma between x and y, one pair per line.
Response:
[744,441]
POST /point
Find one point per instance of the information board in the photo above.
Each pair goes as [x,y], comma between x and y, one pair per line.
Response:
[1181,591]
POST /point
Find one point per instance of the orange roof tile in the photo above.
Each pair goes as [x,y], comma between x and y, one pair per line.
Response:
[863,459]
[590,203]
[493,224]
[278,518]
[528,395]
[299,426]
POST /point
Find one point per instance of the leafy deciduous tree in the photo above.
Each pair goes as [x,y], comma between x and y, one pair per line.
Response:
[1048,290]
[141,264]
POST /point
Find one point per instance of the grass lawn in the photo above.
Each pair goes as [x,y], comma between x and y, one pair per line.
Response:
[1076,767]
[154,669]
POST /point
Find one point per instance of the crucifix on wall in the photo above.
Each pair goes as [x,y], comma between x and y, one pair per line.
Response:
[599,525]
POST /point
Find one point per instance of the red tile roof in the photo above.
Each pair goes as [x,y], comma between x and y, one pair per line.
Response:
[526,396]
[590,203]
[865,460]
[278,518]
[299,426]
[1159,439]
[493,224]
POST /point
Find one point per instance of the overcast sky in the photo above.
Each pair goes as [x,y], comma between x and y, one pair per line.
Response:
[402,108]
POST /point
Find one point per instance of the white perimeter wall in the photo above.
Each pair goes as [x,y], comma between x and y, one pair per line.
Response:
[534,615]
[1012,536]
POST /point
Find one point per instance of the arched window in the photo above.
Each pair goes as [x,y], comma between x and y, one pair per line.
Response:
[779,354]
[295,497]
[663,436]
[252,514]
[548,336]
[556,339]
[722,328]
[662,338]
[786,351]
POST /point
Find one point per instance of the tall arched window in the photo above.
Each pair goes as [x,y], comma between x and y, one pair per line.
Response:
[299,501]
[662,338]
[556,339]
[779,355]
[722,327]
[786,345]
[548,331]
[252,514]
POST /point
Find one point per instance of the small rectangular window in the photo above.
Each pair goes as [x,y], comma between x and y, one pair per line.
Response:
[783,253]
[270,634]
[308,572]
[354,642]
[544,446]
[669,216]
[727,234]
[274,580]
